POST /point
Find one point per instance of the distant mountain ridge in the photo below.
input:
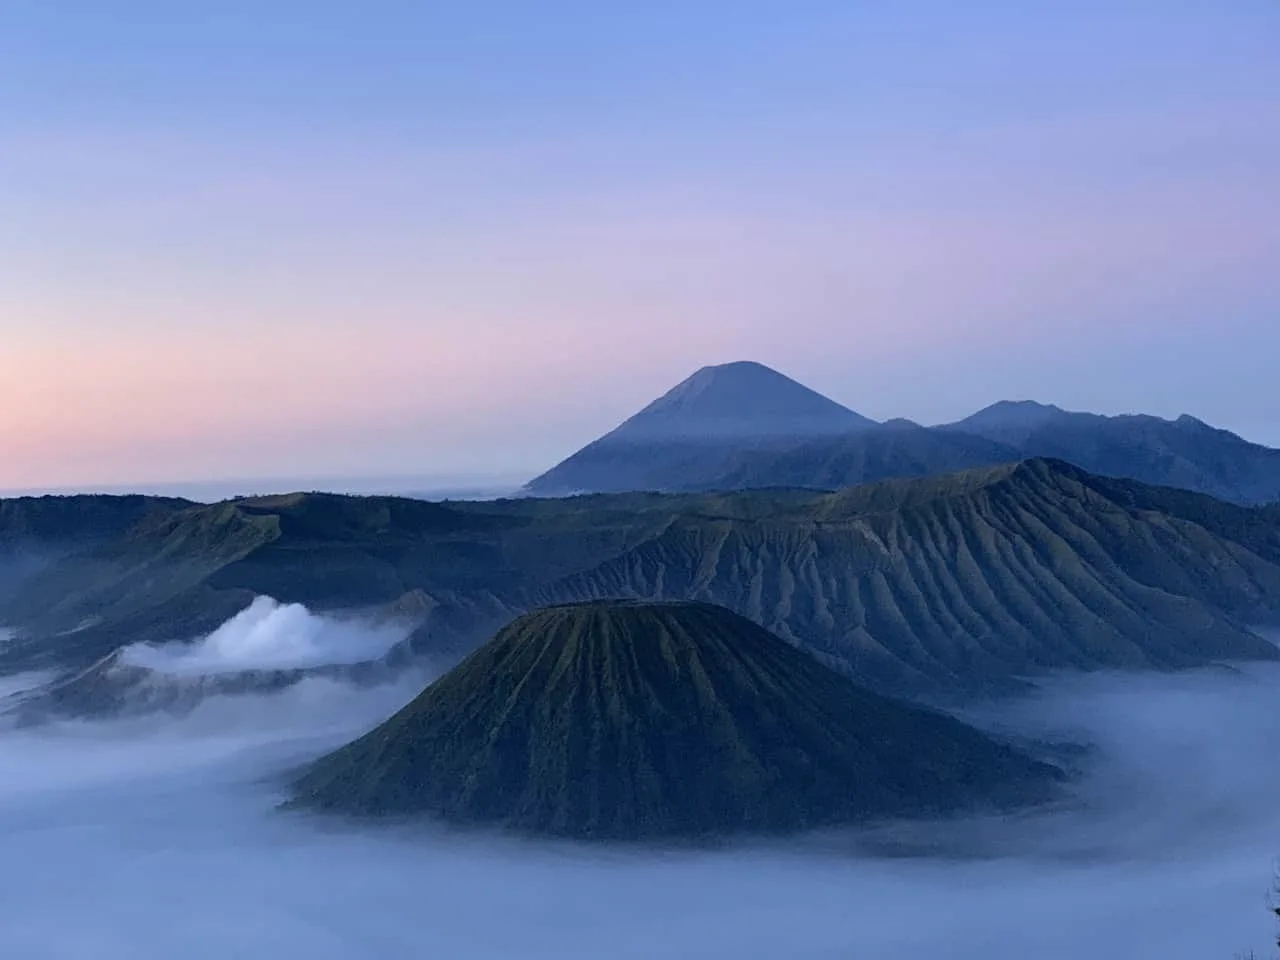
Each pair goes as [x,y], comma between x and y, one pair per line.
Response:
[35,530]
[960,583]
[76,518]
[803,440]
[693,428]
[1186,452]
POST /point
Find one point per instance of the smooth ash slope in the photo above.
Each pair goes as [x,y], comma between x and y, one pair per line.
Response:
[622,720]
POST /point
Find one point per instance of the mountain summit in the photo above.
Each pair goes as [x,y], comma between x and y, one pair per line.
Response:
[739,400]
[692,430]
[622,720]
[741,425]
[1010,421]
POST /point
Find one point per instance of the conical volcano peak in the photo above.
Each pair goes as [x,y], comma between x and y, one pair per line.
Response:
[1024,414]
[693,431]
[739,399]
[633,720]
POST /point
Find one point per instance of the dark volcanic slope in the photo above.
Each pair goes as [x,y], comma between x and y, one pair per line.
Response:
[892,450]
[182,574]
[76,518]
[617,720]
[1186,452]
[953,582]
[37,530]
[973,578]
[688,438]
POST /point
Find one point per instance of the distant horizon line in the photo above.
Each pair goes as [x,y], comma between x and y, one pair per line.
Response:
[485,485]
[217,489]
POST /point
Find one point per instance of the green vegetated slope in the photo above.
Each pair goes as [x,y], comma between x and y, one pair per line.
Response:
[617,720]
[977,576]
[149,584]
[37,530]
[184,573]
[73,519]
[459,570]
[939,582]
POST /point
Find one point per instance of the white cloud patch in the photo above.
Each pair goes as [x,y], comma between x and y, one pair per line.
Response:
[268,635]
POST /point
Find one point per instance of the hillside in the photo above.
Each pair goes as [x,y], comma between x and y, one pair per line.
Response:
[117,686]
[899,449]
[76,518]
[1185,452]
[145,585]
[956,582]
[633,721]
[184,573]
[978,576]
[37,530]
[689,436]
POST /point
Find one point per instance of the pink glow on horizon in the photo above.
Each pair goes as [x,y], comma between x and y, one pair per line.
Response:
[200,326]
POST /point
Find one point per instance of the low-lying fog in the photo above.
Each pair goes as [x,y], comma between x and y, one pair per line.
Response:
[158,838]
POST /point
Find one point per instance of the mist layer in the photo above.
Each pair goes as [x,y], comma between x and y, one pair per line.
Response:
[161,839]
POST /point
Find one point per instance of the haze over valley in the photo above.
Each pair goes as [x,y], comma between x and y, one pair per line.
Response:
[572,481]
[160,836]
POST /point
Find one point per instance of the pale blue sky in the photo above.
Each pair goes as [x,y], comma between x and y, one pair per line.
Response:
[319,238]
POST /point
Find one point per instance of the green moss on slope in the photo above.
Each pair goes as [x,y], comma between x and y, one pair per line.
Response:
[940,583]
[964,580]
[79,518]
[619,720]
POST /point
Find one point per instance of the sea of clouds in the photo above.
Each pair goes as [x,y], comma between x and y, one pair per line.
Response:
[156,838]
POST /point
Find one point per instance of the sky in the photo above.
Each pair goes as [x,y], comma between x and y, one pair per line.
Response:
[462,239]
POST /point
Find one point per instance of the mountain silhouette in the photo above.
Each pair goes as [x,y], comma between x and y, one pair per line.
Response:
[743,426]
[691,429]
